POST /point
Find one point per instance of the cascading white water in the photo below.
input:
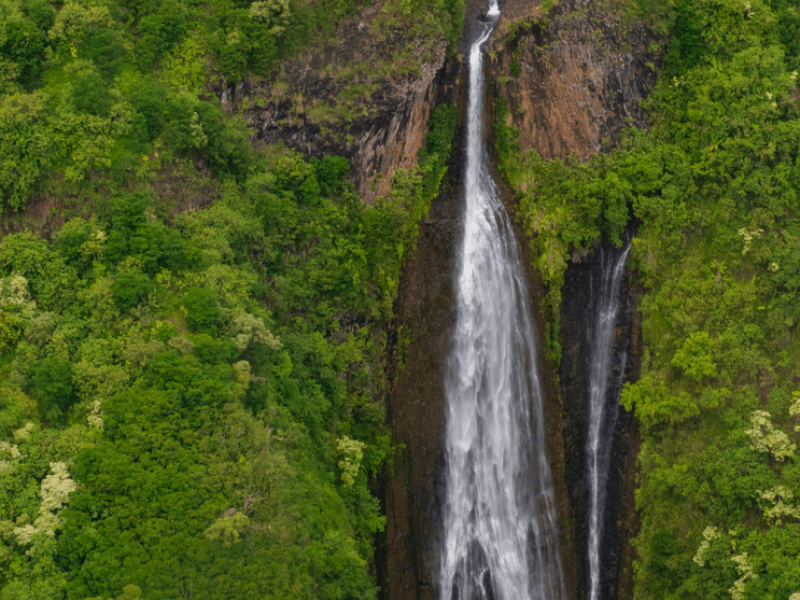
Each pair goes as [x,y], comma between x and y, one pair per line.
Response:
[500,525]
[600,426]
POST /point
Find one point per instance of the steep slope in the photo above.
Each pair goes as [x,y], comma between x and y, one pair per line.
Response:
[365,94]
[612,79]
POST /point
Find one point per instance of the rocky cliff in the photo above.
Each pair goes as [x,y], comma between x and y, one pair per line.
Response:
[573,78]
[366,94]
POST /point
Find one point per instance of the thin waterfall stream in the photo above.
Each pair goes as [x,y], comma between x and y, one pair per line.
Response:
[500,525]
[601,423]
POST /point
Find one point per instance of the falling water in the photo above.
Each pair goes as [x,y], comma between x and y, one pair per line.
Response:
[500,538]
[601,426]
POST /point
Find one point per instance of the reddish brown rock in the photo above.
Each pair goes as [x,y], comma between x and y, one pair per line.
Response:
[583,74]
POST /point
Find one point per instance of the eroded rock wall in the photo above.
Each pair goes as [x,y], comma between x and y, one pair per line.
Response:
[575,78]
[365,94]
[425,314]
[582,280]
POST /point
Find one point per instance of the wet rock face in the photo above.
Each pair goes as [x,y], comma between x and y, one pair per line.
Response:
[619,521]
[425,314]
[575,79]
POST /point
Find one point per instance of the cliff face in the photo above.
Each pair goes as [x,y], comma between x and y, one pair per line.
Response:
[573,79]
[582,76]
[365,94]
[425,313]
[582,279]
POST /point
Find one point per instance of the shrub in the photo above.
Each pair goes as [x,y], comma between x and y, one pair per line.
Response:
[203,314]
[130,289]
[90,95]
[53,387]
[330,173]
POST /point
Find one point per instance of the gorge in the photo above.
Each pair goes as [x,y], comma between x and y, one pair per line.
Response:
[500,536]
[416,492]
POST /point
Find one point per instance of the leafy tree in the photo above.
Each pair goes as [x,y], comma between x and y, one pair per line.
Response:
[24,45]
[130,289]
[202,311]
[53,387]
[90,94]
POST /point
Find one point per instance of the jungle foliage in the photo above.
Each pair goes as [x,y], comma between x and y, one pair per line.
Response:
[107,93]
[191,399]
[713,190]
[204,393]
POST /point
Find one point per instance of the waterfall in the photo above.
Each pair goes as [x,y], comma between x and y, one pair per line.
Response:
[601,427]
[500,525]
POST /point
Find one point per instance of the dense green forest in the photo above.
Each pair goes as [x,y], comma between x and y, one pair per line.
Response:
[192,352]
[713,191]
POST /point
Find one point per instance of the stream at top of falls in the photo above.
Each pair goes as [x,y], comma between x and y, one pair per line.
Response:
[602,421]
[500,524]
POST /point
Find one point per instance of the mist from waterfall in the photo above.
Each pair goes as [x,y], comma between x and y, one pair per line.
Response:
[500,524]
[601,421]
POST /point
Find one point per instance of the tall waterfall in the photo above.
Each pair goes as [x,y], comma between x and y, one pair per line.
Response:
[601,426]
[501,533]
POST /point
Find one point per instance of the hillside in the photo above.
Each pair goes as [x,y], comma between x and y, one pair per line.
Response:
[192,324]
[226,249]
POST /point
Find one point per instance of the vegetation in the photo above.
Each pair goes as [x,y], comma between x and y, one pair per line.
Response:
[99,94]
[713,192]
[207,395]
[191,401]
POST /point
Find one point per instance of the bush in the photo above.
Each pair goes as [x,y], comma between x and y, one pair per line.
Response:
[203,314]
[127,215]
[90,95]
[160,32]
[24,46]
[53,387]
[106,50]
[148,99]
[71,237]
[130,289]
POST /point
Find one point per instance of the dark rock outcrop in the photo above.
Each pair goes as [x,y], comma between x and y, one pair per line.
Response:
[619,518]
[365,94]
